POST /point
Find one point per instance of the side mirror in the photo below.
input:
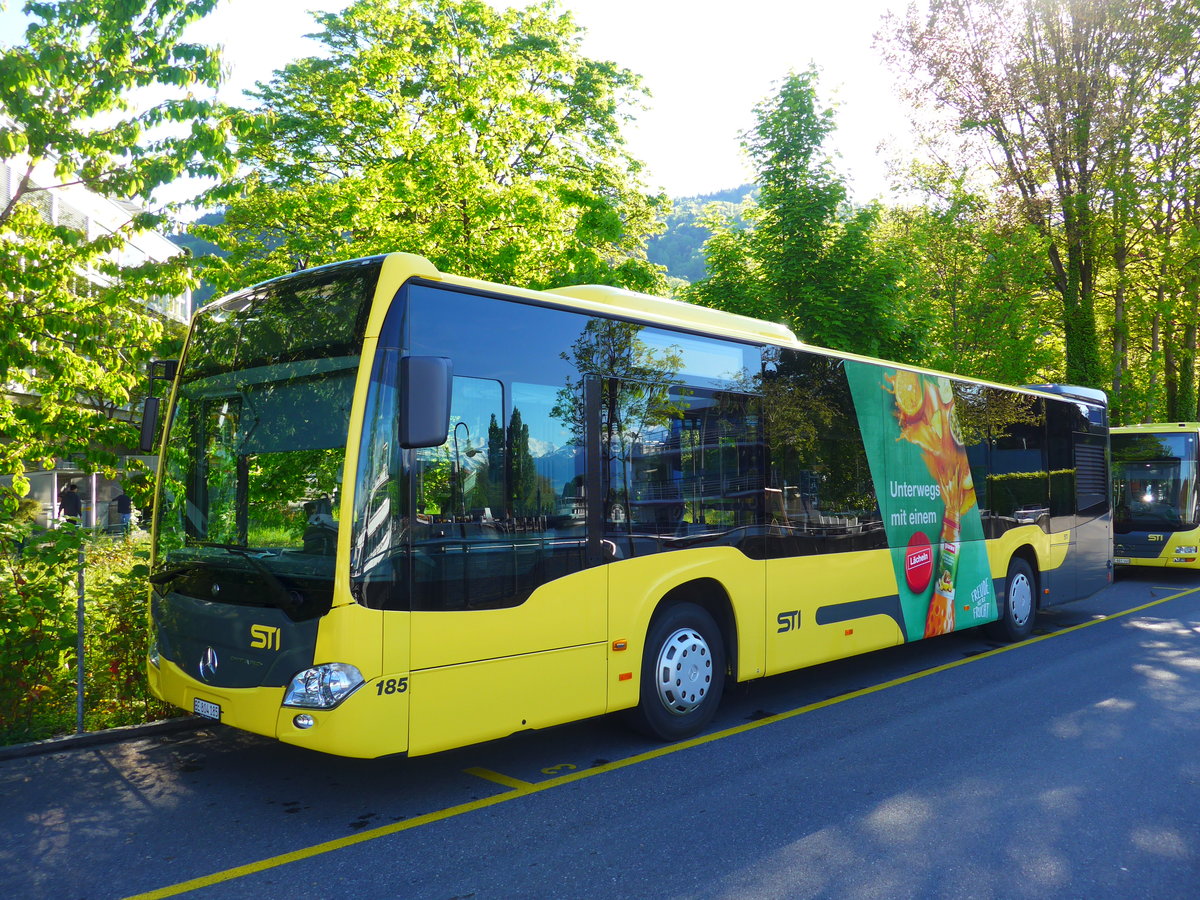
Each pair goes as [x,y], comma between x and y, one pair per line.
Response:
[149,424]
[426,383]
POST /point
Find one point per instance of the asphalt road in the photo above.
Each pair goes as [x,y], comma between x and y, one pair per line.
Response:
[1066,766]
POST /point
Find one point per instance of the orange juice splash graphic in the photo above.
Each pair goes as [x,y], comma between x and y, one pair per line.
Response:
[925,411]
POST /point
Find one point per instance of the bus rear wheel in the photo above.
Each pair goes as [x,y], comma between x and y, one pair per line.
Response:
[1019,606]
[683,674]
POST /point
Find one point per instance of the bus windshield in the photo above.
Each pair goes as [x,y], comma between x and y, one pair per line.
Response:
[253,463]
[1154,482]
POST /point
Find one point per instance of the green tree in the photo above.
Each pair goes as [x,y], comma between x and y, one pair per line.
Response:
[680,248]
[74,330]
[735,281]
[101,94]
[1156,243]
[531,493]
[975,281]
[1048,90]
[482,139]
[807,257]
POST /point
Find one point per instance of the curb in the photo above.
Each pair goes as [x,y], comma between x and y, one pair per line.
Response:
[107,736]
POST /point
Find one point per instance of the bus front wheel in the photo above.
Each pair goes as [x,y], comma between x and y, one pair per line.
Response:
[683,673]
[1019,606]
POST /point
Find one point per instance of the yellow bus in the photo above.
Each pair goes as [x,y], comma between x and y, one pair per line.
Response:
[1156,507]
[400,511]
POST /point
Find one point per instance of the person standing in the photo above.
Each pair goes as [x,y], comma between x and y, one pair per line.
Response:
[124,510]
[70,504]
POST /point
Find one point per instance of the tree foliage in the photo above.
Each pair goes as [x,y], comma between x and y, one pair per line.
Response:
[482,139]
[1155,228]
[74,330]
[807,258]
[974,280]
[1056,94]
[39,637]
[102,95]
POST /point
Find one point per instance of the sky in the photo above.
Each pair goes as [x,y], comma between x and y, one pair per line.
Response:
[706,63]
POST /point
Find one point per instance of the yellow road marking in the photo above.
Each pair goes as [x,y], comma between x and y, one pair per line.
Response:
[515,783]
[525,788]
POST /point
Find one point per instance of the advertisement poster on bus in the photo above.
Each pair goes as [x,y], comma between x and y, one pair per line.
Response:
[926,498]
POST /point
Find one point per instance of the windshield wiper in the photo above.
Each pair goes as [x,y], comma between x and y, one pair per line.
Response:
[236,548]
[286,599]
[174,572]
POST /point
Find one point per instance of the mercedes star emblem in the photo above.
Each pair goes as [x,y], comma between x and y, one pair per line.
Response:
[208,664]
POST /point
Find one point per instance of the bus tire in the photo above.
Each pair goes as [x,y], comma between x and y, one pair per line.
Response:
[683,674]
[1019,607]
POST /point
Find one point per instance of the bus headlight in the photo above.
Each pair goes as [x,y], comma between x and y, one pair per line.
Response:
[1186,551]
[323,687]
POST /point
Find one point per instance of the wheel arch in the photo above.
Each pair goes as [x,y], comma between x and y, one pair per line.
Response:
[1029,555]
[709,594]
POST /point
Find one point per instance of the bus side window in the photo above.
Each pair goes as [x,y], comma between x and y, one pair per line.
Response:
[1091,476]
[681,463]
[500,507]
[378,552]
[819,473]
[1017,488]
[1064,421]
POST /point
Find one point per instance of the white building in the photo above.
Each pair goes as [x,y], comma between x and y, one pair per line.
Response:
[75,206]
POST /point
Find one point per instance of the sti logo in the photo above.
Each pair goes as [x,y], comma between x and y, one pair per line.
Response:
[264,637]
[918,563]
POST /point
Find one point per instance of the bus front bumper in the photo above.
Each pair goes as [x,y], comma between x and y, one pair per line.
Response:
[367,724]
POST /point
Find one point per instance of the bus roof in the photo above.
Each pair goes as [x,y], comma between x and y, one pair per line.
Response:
[701,317]
[1074,391]
[1152,427]
[664,311]
[676,313]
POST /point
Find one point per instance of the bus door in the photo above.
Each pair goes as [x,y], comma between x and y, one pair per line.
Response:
[508,617]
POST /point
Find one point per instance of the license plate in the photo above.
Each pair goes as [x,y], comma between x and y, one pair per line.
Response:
[1120,560]
[206,709]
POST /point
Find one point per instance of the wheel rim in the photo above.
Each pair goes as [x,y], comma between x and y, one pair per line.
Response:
[1020,599]
[684,671]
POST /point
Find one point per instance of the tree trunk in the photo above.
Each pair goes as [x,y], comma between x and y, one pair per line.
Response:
[1120,333]
[1171,380]
[1076,287]
[1187,359]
